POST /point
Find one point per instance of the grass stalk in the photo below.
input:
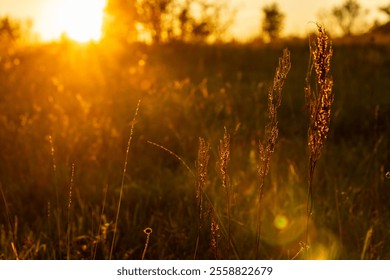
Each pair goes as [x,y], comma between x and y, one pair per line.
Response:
[201,180]
[11,229]
[318,101]
[267,146]
[173,154]
[222,168]
[148,231]
[100,223]
[215,235]
[203,157]
[367,242]
[69,224]
[57,214]
[123,177]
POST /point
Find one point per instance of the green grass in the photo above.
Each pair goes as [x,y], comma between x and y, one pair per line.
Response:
[84,99]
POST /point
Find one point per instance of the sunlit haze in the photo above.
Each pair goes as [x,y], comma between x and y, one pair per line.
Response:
[81,19]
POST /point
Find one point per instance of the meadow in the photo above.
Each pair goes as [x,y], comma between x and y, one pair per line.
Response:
[87,128]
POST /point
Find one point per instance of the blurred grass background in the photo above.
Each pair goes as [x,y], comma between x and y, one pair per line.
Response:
[74,104]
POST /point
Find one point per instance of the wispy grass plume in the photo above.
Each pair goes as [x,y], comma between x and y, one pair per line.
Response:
[201,180]
[267,146]
[318,100]
[222,169]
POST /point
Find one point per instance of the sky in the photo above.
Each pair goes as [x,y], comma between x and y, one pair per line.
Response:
[299,13]
[49,20]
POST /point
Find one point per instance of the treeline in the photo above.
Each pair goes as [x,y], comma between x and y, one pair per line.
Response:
[157,21]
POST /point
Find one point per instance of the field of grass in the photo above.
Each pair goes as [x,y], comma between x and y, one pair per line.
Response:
[67,115]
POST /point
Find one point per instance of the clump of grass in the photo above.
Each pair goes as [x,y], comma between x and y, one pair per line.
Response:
[318,100]
[267,146]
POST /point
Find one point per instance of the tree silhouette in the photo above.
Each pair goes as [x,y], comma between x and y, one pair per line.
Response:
[272,21]
[346,15]
[152,14]
[10,30]
[165,20]
[386,10]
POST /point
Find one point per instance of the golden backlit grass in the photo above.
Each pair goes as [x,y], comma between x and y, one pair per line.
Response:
[66,112]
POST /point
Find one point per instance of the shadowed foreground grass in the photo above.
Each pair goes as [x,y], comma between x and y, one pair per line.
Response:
[66,112]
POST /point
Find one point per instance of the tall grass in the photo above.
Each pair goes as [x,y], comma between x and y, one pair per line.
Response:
[69,208]
[201,183]
[319,101]
[267,146]
[123,179]
[222,169]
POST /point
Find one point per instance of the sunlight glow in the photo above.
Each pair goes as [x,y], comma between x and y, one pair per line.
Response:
[80,20]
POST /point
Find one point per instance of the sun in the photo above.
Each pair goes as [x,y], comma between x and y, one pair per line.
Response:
[80,20]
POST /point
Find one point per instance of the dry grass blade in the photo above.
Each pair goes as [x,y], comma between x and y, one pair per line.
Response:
[215,235]
[201,180]
[123,177]
[69,224]
[222,169]
[202,166]
[367,242]
[148,231]
[102,223]
[11,229]
[267,146]
[57,212]
[173,154]
[318,101]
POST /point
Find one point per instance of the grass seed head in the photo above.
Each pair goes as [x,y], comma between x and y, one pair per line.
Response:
[319,101]
[266,148]
[223,159]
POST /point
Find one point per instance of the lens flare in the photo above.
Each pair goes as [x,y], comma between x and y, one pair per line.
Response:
[284,218]
[280,221]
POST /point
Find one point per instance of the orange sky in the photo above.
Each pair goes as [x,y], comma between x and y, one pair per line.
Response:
[49,19]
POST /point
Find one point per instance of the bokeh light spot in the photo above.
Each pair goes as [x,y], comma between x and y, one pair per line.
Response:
[280,221]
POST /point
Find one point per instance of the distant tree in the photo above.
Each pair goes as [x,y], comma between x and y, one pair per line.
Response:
[272,21]
[346,15]
[386,10]
[206,22]
[152,14]
[214,21]
[10,30]
[16,31]
[190,20]
[165,20]
[184,22]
